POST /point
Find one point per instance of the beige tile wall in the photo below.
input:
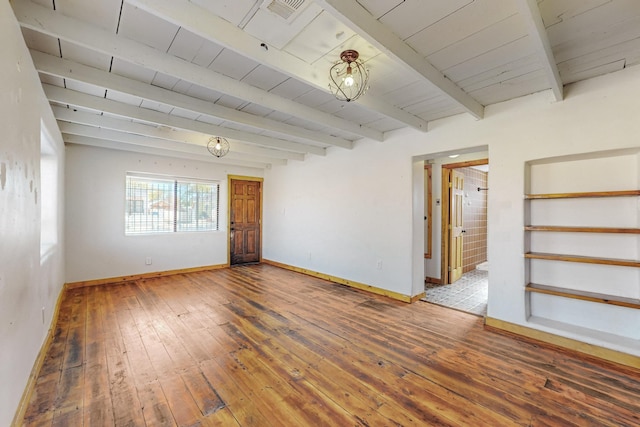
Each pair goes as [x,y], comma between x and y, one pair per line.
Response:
[475,218]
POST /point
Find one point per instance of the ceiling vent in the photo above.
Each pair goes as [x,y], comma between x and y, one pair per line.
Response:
[286,9]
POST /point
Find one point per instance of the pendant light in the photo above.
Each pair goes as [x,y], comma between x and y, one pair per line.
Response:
[218,146]
[349,78]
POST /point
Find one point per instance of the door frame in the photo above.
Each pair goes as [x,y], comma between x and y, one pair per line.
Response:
[231,178]
[428,214]
[446,208]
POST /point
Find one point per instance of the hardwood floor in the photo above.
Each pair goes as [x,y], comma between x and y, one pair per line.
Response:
[261,346]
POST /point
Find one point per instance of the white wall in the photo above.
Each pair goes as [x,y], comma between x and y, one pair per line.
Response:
[352,208]
[97,247]
[342,213]
[29,282]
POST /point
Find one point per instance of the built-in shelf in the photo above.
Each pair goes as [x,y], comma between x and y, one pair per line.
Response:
[561,228]
[583,295]
[582,259]
[622,193]
[562,292]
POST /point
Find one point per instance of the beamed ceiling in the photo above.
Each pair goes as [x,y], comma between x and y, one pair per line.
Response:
[162,76]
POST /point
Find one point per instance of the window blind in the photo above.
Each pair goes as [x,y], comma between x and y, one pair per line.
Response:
[157,204]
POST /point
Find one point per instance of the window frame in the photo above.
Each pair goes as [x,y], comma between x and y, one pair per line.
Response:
[171,222]
[48,190]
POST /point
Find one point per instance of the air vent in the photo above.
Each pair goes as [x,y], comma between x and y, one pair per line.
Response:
[286,9]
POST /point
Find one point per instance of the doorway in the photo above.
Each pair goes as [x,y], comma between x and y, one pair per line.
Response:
[463,281]
[245,220]
[464,218]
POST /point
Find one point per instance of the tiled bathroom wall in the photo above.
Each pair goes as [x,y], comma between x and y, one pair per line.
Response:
[475,218]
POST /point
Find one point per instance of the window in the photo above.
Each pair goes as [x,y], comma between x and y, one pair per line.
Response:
[157,204]
[48,192]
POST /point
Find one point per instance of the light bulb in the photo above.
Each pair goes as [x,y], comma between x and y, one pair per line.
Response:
[218,146]
[348,81]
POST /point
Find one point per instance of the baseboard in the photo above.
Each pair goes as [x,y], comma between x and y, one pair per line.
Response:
[417,297]
[120,279]
[18,418]
[592,350]
[350,283]
[434,280]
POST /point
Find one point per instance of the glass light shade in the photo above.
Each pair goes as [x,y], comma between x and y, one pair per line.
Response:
[349,78]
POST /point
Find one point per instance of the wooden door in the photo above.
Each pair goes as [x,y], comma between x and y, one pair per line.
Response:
[244,221]
[456,200]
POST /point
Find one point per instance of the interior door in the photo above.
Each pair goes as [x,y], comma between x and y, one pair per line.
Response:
[244,221]
[456,199]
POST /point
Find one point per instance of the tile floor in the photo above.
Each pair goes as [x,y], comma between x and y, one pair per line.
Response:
[469,293]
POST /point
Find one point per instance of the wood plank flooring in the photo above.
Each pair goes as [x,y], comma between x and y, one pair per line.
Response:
[262,346]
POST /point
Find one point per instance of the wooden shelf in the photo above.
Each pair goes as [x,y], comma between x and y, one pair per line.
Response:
[583,259]
[622,193]
[560,228]
[583,295]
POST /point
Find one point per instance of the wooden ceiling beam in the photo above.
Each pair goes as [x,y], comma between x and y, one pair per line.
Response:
[177,153]
[211,27]
[43,20]
[538,34]
[145,141]
[69,115]
[55,66]
[352,14]
[70,97]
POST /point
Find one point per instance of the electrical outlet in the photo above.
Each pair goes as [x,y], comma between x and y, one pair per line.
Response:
[379,264]
[147,261]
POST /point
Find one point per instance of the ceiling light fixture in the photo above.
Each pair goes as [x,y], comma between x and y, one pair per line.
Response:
[218,146]
[349,77]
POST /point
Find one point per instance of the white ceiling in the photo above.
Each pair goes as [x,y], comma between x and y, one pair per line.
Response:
[163,76]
